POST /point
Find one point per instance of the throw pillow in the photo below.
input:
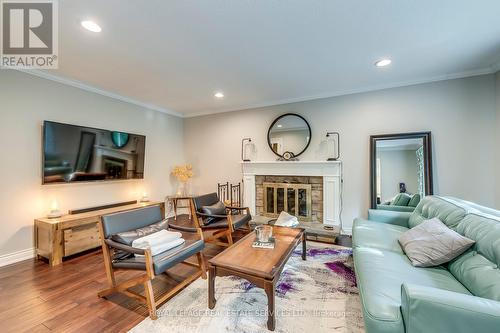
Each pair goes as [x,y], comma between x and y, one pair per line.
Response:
[432,243]
[402,199]
[127,237]
[415,199]
[215,209]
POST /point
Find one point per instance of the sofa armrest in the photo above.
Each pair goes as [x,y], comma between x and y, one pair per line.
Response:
[390,217]
[428,309]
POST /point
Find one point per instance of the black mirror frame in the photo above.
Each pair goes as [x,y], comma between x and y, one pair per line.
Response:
[276,120]
[427,144]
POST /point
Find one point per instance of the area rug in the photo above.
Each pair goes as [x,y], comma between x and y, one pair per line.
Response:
[317,295]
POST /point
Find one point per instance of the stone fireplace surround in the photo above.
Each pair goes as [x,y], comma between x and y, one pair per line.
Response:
[329,171]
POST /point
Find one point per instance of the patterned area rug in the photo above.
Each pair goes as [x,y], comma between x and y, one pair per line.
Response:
[317,295]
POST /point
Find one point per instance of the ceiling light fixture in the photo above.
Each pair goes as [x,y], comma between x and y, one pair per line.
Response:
[383,62]
[91,26]
[219,95]
[279,126]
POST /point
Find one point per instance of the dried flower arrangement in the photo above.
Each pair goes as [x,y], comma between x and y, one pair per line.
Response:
[183,172]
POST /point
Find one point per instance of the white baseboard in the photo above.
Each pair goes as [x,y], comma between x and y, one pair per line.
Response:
[14,257]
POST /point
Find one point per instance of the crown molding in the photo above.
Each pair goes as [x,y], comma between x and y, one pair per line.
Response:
[90,88]
[372,88]
[77,84]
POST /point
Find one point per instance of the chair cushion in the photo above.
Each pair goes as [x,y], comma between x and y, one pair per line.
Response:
[164,260]
[131,220]
[377,235]
[216,209]
[127,237]
[432,243]
[381,273]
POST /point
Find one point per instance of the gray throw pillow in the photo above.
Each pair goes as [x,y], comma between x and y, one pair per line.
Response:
[432,243]
[215,209]
[127,237]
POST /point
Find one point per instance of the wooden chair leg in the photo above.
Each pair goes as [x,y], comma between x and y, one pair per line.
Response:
[150,299]
[229,238]
[201,262]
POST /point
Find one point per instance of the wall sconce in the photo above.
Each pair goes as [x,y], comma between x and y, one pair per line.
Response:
[335,154]
[54,210]
[243,151]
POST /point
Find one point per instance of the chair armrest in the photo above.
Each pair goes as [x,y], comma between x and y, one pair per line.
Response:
[123,247]
[238,208]
[390,217]
[428,309]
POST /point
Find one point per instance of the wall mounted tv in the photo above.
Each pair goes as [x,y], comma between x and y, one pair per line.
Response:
[82,154]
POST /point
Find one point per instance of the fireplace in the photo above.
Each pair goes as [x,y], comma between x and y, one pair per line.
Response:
[291,181]
[115,168]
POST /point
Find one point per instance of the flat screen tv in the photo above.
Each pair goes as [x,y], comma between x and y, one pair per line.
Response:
[76,154]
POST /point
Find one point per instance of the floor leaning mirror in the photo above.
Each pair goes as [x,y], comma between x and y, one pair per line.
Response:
[400,170]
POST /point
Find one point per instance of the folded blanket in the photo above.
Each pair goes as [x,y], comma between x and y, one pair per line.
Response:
[286,220]
[159,248]
[156,238]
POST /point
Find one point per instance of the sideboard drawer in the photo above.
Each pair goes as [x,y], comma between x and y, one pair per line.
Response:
[81,238]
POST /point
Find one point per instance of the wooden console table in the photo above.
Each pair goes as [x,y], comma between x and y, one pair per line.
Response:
[70,234]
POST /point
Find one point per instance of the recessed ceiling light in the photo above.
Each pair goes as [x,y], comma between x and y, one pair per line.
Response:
[280,126]
[91,26]
[219,95]
[383,62]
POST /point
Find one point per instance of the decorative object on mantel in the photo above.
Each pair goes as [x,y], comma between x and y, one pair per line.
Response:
[244,143]
[183,173]
[335,155]
[54,210]
[289,136]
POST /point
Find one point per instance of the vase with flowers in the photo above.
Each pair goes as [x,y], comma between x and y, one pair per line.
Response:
[183,173]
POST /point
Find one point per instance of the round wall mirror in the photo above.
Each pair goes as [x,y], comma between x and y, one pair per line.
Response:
[289,136]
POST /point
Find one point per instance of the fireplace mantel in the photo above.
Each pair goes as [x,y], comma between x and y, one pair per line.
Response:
[331,172]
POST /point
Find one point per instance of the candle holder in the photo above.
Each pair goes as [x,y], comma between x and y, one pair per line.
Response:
[54,210]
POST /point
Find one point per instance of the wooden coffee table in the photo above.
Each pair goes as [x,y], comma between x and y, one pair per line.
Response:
[261,267]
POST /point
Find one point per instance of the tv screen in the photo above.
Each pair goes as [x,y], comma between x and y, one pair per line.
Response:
[76,153]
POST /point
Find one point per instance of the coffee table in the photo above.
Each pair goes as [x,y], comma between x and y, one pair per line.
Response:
[261,267]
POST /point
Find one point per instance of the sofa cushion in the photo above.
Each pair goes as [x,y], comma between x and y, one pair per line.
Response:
[415,199]
[377,235]
[381,273]
[402,199]
[432,243]
[429,207]
[478,270]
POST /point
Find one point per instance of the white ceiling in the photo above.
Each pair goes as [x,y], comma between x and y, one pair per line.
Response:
[173,55]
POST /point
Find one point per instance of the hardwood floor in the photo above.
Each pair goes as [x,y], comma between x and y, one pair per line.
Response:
[37,298]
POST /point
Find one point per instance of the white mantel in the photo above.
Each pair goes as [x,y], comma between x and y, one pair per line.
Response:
[330,171]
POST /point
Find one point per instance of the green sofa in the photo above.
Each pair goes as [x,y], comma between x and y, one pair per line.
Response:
[460,296]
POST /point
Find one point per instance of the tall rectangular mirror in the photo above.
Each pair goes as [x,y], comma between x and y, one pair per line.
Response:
[400,170]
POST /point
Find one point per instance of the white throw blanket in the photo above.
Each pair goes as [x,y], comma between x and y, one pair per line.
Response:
[286,220]
[159,242]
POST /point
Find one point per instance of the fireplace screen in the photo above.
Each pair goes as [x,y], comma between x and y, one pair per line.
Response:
[295,199]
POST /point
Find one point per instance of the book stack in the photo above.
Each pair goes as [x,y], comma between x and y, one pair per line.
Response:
[264,245]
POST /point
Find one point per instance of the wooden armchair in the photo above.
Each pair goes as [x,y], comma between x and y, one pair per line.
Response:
[220,224]
[117,232]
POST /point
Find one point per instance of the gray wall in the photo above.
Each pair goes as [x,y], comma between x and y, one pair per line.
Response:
[397,166]
[460,113]
[25,102]
[497,146]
